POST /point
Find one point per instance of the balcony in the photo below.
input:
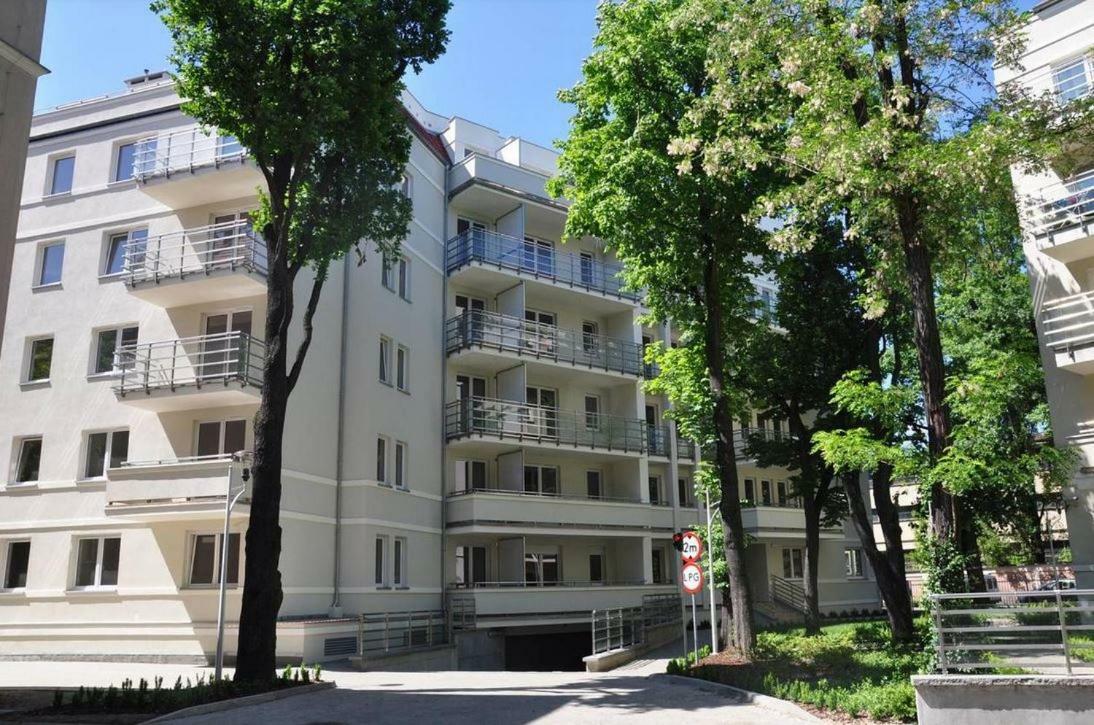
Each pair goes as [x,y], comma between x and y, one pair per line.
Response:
[179,488]
[484,255]
[191,167]
[658,439]
[491,419]
[780,521]
[500,511]
[479,331]
[189,373]
[1067,327]
[208,264]
[561,601]
[1060,217]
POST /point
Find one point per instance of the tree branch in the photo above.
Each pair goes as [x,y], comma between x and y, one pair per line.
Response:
[309,313]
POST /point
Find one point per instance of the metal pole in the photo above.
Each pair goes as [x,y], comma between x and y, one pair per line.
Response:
[684,625]
[710,583]
[1063,629]
[694,629]
[223,572]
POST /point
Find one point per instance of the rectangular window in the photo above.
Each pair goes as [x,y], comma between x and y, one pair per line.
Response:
[18,563]
[590,338]
[750,490]
[97,562]
[122,247]
[470,565]
[205,555]
[123,168]
[63,169]
[658,566]
[541,479]
[398,562]
[853,559]
[41,359]
[765,493]
[30,457]
[381,459]
[1072,80]
[400,465]
[592,412]
[596,568]
[51,265]
[792,563]
[105,450]
[683,489]
[594,485]
[387,272]
[780,488]
[404,278]
[385,360]
[107,343]
[541,569]
[655,489]
[402,369]
[221,437]
[381,574]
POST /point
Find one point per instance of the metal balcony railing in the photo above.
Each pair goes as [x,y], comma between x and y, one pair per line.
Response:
[523,337]
[535,260]
[220,359]
[230,245]
[386,632]
[519,421]
[658,441]
[184,151]
[558,496]
[788,593]
[1062,207]
[1068,322]
[563,583]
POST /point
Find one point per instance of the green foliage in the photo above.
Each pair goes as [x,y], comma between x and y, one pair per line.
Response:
[681,665]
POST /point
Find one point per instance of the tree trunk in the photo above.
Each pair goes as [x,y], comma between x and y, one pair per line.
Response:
[262,594]
[725,461]
[970,547]
[812,559]
[892,582]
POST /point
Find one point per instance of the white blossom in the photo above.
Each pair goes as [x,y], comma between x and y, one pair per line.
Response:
[798,88]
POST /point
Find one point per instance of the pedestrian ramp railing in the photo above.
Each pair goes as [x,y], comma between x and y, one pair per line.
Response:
[621,627]
[386,633]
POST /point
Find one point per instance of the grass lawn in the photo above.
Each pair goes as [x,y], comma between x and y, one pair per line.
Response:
[849,668]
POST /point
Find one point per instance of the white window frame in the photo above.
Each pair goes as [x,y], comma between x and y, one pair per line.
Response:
[223,423]
[402,277]
[17,459]
[40,264]
[386,371]
[852,558]
[28,365]
[97,584]
[383,443]
[400,462]
[539,469]
[85,460]
[5,561]
[117,159]
[218,542]
[402,368]
[592,418]
[380,556]
[1087,62]
[782,556]
[118,330]
[51,172]
[108,241]
[398,563]
[387,273]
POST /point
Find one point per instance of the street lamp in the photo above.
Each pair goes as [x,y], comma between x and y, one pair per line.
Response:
[231,497]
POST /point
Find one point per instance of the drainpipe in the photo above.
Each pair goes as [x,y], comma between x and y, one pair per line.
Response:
[444,398]
[339,456]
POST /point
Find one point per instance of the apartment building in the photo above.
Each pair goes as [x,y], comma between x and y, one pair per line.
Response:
[470,437]
[1057,209]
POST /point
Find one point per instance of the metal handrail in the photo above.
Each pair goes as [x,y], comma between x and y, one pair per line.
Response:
[507,419]
[989,630]
[658,439]
[620,627]
[528,258]
[400,631]
[154,462]
[222,358]
[1068,322]
[228,245]
[557,496]
[183,151]
[1061,206]
[787,593]
[478,328]
[560,584]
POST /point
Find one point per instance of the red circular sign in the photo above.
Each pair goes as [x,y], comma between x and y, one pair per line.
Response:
[691,577]
[691,546]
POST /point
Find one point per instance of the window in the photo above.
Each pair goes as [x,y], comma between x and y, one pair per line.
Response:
[404,278]
[853,559]
[541,479]
[407,186]
[765,493]
[470,475]
[123,167]
[658,561]
[381,573]
[398,562]
[385,360]
[205,555]
[131,244]
[792,564]
[30,457]
[750,490]
[381,459]
[41,358]
[107,343]
[402,369]
[400,465]
[61,181]
[105,450]
[541,569]
[1072,79]
[655,489]
[594,485]
[592,412]
[228,145]
[780,487]
[683,490]
[18,563]
[470,565]
[590,338]
[50,264]
[221,437]
[387,272]
[596,568]
[97,562]
[586,268]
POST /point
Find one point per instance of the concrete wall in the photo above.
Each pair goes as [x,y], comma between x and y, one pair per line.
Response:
[1003,700]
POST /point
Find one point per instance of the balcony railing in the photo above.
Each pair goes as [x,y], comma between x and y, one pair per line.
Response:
[184,151]
[569,583]
[534,260]
[547,342]
[519,421]
[231,245]
[1068,322]
[221,359]
[559,496]
[1062,206]
[658,439]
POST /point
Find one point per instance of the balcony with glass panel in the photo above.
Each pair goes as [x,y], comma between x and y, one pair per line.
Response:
[1067,328]
[492,340]
[218,262]
[212,370]
[489,261]
[658,439]
[1060,217]
[191,167]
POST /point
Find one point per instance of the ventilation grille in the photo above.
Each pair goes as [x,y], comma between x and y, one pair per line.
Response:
[333,646]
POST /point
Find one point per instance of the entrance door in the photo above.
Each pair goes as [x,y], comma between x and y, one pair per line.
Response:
[225,344]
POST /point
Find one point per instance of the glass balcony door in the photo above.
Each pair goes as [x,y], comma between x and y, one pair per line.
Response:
[221,353]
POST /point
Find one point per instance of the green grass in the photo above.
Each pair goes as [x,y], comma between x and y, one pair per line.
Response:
[850,668]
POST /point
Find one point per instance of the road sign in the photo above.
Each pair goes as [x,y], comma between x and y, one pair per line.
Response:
[692,546]
[691,576]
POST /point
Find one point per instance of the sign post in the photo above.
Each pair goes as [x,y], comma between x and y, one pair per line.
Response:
[691,578]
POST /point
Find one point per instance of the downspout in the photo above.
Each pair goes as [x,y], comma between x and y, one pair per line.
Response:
[336,599]
[444,397]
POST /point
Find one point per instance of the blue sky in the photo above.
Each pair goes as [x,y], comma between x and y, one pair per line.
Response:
[505,62]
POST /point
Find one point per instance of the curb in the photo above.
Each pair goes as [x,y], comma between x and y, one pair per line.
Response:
[247,701]
[765,701]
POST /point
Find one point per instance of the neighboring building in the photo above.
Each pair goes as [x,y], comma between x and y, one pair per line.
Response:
[1057,208]
[471,424]
[20,47]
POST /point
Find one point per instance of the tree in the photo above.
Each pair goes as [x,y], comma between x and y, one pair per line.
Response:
[312,89]
[679,230]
